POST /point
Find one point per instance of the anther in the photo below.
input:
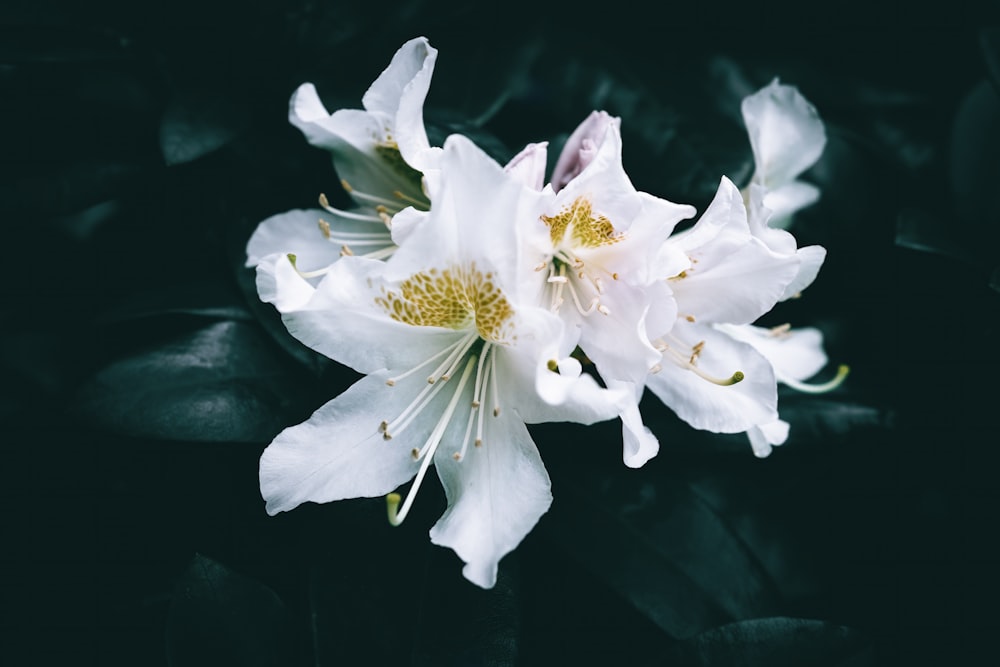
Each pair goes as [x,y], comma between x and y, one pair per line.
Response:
[324,228]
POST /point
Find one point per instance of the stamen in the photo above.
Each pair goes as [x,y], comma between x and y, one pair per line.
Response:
[379,254]
[493,383]
[324,228]
[390,204]
[842,373]
[477,397]
[684,363]
[292,259]
[396,515]
[393,380]
[407,198]
[350,215]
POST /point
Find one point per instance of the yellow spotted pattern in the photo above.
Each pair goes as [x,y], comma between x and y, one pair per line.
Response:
[585,229]
[454,298]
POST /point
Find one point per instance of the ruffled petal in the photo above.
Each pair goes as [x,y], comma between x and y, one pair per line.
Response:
[298,232]
[496,494]
[399,93]
[344,321]
[794,353]
[733,276]
[786,133]
[764,436]
[279,284]
[528,166]
[339,452]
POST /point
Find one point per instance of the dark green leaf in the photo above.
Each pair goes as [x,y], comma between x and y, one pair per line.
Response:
[774,642]
[660,545]
[198,122]
[208,299]
[222,383]
[218,617]
[486,629]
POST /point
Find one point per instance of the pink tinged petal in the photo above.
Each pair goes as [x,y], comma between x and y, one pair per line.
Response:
[581,147]
[279,284]
[794,353]
[763,436]
[344,322]
[496,494]
[339,451]
[528,166]
[786,133]
[298,232]
[708,406]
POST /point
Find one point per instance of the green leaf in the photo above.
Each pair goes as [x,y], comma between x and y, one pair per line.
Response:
[218,617]
[774,642]
[657,542]
[222,383]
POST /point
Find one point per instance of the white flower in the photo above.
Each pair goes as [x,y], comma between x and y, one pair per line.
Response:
[597,261]
[787,137]
[455,366]
[711,380]
[795,355]
[378,153]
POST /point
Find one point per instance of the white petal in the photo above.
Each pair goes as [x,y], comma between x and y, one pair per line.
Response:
[785,200]
[796,353]
[496,494]
[343,321]
[810,258]
[704,405]
[734,282]
[399,93]
[279,284]
[298,232]
[528,166]
[786,133]
[764,436]
[339,452]
[639,443]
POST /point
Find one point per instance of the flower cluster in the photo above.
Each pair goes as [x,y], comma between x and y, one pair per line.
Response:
[476,298]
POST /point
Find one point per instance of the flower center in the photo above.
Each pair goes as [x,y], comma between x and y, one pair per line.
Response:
[576,227]
[454,298]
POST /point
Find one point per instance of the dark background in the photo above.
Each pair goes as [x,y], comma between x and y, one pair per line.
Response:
[141,143]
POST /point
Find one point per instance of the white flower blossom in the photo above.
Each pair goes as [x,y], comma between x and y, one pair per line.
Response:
[455,365]
[787,137]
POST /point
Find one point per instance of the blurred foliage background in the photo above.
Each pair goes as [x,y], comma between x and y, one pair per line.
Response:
[141,378]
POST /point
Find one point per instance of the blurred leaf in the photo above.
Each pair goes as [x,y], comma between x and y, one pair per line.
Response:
[822,419]
[989,42]
[222,383]
[660,545]
[774,642]
[218,617]
[199,121]
[208,299]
